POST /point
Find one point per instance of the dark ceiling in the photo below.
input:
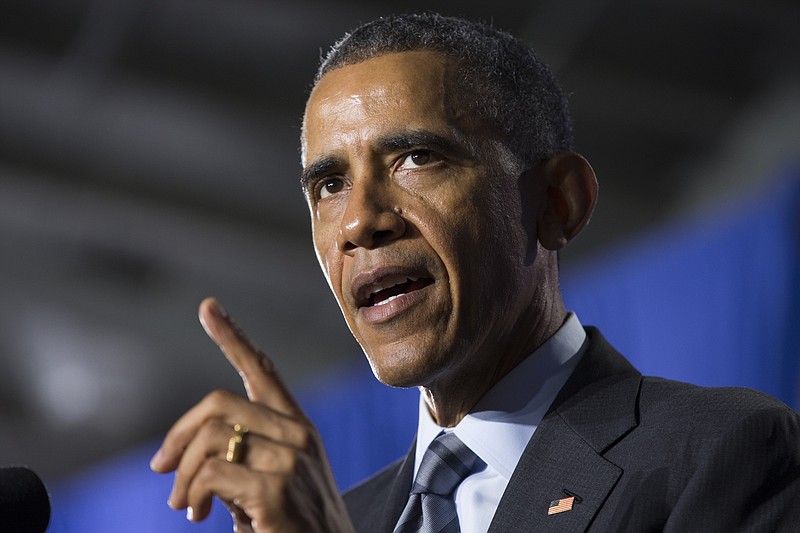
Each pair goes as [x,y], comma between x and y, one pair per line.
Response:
[148,158]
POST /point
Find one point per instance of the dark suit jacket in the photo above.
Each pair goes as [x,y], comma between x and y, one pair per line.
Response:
[641,453]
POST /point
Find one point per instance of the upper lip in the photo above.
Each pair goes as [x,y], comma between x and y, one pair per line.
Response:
[367,283]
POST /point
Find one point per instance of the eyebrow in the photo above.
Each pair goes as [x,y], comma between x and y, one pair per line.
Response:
[317,169]
[406,140]
[392,142]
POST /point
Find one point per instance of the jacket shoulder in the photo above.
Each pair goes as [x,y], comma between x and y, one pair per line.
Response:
[707,407]
[704,425]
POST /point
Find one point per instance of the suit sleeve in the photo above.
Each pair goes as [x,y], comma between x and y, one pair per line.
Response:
[747,481]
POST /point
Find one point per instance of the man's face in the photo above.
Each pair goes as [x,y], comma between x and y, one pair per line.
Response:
[417,220]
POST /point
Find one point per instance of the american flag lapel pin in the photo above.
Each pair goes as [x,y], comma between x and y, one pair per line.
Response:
[564,504]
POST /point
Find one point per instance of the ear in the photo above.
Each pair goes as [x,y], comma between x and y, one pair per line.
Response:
[570,197]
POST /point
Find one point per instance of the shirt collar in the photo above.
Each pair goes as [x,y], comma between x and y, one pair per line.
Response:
[503,421]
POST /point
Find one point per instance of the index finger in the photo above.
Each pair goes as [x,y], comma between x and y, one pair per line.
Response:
[261,380]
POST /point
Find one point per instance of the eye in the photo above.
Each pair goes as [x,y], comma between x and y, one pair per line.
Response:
[329,187]
[418,158]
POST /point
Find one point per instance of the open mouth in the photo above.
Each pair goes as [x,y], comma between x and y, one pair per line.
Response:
[384,296]
[391,288]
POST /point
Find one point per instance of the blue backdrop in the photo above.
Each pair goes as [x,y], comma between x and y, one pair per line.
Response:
[713,300]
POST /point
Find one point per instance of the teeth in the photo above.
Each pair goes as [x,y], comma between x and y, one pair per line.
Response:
[389,299]
[390,283]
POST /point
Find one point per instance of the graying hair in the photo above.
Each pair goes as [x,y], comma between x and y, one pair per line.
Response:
[500,78]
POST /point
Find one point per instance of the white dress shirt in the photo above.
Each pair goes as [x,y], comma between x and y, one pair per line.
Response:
[503,421]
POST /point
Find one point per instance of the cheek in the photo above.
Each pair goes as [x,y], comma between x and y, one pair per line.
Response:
[450,210]
[487,240]
[473,224]
[326,251]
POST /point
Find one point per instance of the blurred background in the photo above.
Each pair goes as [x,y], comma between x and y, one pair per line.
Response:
[149,158]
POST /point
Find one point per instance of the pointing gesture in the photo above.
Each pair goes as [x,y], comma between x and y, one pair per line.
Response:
[262,383]
[261,456]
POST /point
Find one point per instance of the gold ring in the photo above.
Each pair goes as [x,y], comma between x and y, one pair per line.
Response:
[236,443]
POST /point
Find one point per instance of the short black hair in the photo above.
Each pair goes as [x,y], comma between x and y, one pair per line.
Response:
[501,79]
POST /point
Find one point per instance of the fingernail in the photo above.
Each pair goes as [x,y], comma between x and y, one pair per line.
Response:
[213,308]
[190,514]
[171,499]
[218,310]
[156,460]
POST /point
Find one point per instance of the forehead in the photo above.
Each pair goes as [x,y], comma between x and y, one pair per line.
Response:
[407,90]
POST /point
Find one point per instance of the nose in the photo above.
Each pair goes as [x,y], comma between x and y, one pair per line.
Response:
[370,220]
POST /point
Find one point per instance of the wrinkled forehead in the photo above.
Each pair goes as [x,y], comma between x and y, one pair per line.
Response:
[405,87]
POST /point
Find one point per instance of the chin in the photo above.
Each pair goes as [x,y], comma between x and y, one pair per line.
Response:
[393,380]
[394,375]
[403,368]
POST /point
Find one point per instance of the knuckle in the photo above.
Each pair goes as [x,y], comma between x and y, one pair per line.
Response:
[261,517]
[290,461]
[258,504]
[209,471]
[298,433]
[265,362]
[309,438]
[205,432]
[212,430]
[218,398]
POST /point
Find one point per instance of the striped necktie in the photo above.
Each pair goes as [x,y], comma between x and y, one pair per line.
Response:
[430,507]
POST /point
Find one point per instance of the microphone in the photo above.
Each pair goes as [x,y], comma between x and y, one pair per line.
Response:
[24,502]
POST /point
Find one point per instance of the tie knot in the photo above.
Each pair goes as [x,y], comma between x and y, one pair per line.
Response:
[446,463]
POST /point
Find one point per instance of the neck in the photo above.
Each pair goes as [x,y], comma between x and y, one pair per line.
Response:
[451,398]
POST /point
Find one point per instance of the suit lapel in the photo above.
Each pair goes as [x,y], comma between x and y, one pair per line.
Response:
[595,408]
[376,505]
[398,494]
[557,460]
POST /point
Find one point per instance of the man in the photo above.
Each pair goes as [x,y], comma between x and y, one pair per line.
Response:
[438,170]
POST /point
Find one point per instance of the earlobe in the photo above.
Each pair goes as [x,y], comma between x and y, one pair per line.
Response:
[570,197]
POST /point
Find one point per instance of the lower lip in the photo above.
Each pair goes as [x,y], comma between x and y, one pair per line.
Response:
[377,314]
